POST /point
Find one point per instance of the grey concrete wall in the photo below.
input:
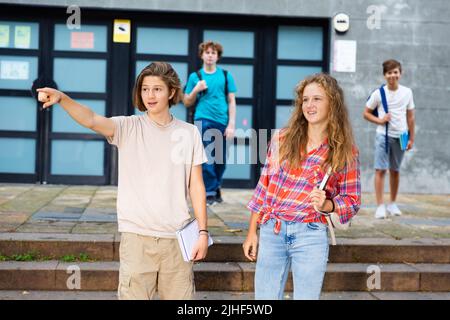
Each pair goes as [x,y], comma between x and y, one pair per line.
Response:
[415,32]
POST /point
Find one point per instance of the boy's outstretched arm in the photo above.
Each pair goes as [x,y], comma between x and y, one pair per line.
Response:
[80,113]
[198,197]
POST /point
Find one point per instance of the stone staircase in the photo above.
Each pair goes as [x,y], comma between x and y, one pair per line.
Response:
[406,266]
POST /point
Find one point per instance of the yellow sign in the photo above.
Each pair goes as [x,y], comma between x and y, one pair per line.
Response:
[122,31]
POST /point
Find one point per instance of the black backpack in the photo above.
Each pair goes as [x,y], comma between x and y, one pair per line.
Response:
[201,94]
[191,111]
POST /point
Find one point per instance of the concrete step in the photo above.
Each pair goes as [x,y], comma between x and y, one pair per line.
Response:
[110,295]
[220,295]
[225,276]
[105,247]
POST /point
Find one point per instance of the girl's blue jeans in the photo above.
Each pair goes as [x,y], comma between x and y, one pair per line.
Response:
[302,247]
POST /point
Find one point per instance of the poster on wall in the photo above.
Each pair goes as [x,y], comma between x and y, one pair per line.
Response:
[4,36]
[14,70]
[81,40]
[344,56]
[122,31]
[22,37]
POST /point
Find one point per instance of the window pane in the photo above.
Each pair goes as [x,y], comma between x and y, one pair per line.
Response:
[62,122]
[288,77]
[19,35]
[162,41]
[244,121]
[77,157]
[283,114]
[17,72]
[180,67]
[18,114]
[179,111]
[300,43]
[238,162]
[80,75]
[88,38]
[238,44]
[18,155]
[243,77]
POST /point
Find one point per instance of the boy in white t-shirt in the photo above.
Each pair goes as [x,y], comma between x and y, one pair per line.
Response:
[399,120]
[160,163]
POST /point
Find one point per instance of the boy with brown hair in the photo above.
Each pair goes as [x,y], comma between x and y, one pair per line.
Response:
[155,175]
[395,133]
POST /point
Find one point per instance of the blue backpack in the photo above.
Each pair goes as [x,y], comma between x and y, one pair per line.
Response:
[385,107]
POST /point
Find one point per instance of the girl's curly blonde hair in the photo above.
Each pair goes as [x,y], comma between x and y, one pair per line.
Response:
[339,131]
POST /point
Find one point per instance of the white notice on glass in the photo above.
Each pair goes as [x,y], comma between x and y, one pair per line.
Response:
[14,70]
[344,56]
[188,237]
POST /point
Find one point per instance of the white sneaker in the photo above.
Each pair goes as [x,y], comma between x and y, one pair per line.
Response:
[381,212]
[393,209]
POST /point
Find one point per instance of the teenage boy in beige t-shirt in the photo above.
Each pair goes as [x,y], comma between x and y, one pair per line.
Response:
[160,162]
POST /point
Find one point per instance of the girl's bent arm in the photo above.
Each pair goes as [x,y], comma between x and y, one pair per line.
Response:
[250,245]
[348,200]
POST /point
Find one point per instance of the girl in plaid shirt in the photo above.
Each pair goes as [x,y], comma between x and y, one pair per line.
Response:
[293,234]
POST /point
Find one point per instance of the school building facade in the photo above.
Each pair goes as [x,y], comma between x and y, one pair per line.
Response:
[94,50]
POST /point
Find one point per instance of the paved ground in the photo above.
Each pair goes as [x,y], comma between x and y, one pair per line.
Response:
[205,295]
[91,210]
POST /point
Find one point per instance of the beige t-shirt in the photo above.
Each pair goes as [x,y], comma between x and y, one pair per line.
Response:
[155,164]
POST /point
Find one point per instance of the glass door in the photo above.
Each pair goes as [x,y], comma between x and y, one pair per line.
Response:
[162,43]
[19,116]
[79,66]
[300,52]
[239,58]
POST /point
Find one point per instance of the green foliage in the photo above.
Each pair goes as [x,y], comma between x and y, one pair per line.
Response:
[68,258]
[82,257]
[29,256]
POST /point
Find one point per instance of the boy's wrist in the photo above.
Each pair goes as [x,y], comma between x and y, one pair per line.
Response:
[62,96]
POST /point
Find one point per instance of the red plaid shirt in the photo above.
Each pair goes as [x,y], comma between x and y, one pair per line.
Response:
[282,193]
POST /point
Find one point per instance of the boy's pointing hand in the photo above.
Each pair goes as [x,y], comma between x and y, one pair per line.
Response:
[48,96]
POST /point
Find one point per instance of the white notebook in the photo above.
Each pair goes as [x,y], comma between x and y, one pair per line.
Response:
[187,238]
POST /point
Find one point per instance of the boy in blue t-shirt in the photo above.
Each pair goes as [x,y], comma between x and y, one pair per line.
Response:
[212,91]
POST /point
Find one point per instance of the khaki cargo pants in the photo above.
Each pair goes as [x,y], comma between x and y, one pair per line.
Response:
[149,263]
